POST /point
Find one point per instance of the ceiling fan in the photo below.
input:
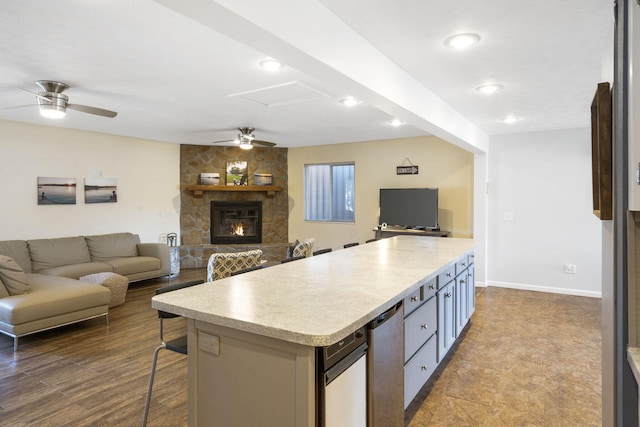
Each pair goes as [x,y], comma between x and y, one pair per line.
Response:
[246,140]
[53,103]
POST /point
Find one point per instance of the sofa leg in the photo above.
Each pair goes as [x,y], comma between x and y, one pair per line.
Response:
[15,344]
[106,317]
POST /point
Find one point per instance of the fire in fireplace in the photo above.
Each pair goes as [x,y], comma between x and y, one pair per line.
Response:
[236,222]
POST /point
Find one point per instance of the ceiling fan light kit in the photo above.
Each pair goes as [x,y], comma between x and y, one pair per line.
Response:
[53,104]
[246,139]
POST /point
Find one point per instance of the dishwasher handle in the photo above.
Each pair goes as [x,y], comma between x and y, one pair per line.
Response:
[381,319]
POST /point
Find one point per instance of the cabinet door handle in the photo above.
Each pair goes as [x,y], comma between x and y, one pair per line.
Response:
[424,367]
[464,264]
[448,295]
[432,287]
[463,281]
[424,326]
[448,274]
[414,299]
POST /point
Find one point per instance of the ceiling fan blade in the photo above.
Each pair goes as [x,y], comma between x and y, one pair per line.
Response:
[225,140]
[92,110]
[263,143]
[44,98]
[17,106]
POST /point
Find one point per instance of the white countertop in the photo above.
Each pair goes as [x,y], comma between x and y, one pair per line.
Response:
[316,301]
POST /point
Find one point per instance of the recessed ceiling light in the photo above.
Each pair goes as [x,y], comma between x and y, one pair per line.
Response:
[490,88]
[396,122]
[349,101]
[270,65]
[462,41]
[510,119]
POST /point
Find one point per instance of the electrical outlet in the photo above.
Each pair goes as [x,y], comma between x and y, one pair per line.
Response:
[209,343]
[570,268]
[163,238]
[507,216]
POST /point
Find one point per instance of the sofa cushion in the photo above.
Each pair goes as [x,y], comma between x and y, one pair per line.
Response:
[12,276]
[75,271]
[127,266]
[49,253]
[51,296]
[115,245]
[18,250]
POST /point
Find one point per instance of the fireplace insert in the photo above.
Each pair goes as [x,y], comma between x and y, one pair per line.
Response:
[236,222]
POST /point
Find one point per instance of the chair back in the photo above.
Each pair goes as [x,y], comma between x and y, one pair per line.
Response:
[303,249]
[222,264]
[322,251]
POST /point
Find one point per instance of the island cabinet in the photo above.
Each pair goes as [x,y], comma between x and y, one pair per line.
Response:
[257,341]
[420,342]
[435,316]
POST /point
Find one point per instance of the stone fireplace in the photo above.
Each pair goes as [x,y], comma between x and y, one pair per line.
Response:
[236,222]
[196,244]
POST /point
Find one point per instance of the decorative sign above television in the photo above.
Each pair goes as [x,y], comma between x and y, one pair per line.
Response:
[407,170]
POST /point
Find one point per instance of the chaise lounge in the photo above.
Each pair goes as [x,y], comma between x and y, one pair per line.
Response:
[39,286]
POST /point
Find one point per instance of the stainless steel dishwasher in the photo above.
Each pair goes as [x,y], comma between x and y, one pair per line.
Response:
[342,382]
[385,376]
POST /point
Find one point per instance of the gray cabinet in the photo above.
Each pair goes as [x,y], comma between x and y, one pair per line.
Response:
[419,368]
[446,318]
[435,315]
[462,309]
[420,342]
[471,289]
[419,326]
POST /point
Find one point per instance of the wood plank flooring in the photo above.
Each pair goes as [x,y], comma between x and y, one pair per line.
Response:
[527,359]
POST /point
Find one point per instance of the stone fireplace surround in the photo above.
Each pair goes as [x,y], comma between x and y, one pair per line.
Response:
[195,246]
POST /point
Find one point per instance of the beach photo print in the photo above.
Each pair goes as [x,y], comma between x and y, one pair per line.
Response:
[56,191]
[100,190]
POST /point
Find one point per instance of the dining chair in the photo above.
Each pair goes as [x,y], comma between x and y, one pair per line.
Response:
[222,264]
[177,344]
[322,251]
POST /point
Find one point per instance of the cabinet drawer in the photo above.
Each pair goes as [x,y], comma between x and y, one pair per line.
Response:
[413,301]
[462,264]
[418,370]
[419,326]
[446,276]
[430,288]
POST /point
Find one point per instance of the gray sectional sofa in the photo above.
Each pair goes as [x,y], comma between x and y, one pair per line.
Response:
[39,286]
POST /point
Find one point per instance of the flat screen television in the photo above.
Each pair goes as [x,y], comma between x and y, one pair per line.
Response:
[409,207]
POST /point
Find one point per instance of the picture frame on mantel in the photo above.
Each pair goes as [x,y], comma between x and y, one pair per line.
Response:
[601,152]
[237,173]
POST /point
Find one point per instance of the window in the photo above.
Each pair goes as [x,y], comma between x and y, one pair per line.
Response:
[329,192]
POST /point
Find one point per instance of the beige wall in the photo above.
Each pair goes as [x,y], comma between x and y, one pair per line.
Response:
[442,165]
[147,173]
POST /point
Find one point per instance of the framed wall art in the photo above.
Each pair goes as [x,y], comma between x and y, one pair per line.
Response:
[237,173]
[56,191]
[100,190]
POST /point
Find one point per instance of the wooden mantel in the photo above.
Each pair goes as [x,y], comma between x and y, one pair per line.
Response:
[198,190]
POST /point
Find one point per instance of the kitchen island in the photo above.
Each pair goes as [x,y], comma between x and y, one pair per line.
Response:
[253,337]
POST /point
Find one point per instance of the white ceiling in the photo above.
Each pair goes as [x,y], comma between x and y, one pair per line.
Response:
[170,78]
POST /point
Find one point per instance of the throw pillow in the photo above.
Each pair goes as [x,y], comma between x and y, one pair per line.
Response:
[14,279]
[3,290]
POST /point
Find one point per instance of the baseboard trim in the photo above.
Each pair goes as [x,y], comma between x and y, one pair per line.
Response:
[565,291]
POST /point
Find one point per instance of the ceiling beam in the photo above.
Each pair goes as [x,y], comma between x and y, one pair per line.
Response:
[307,36]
